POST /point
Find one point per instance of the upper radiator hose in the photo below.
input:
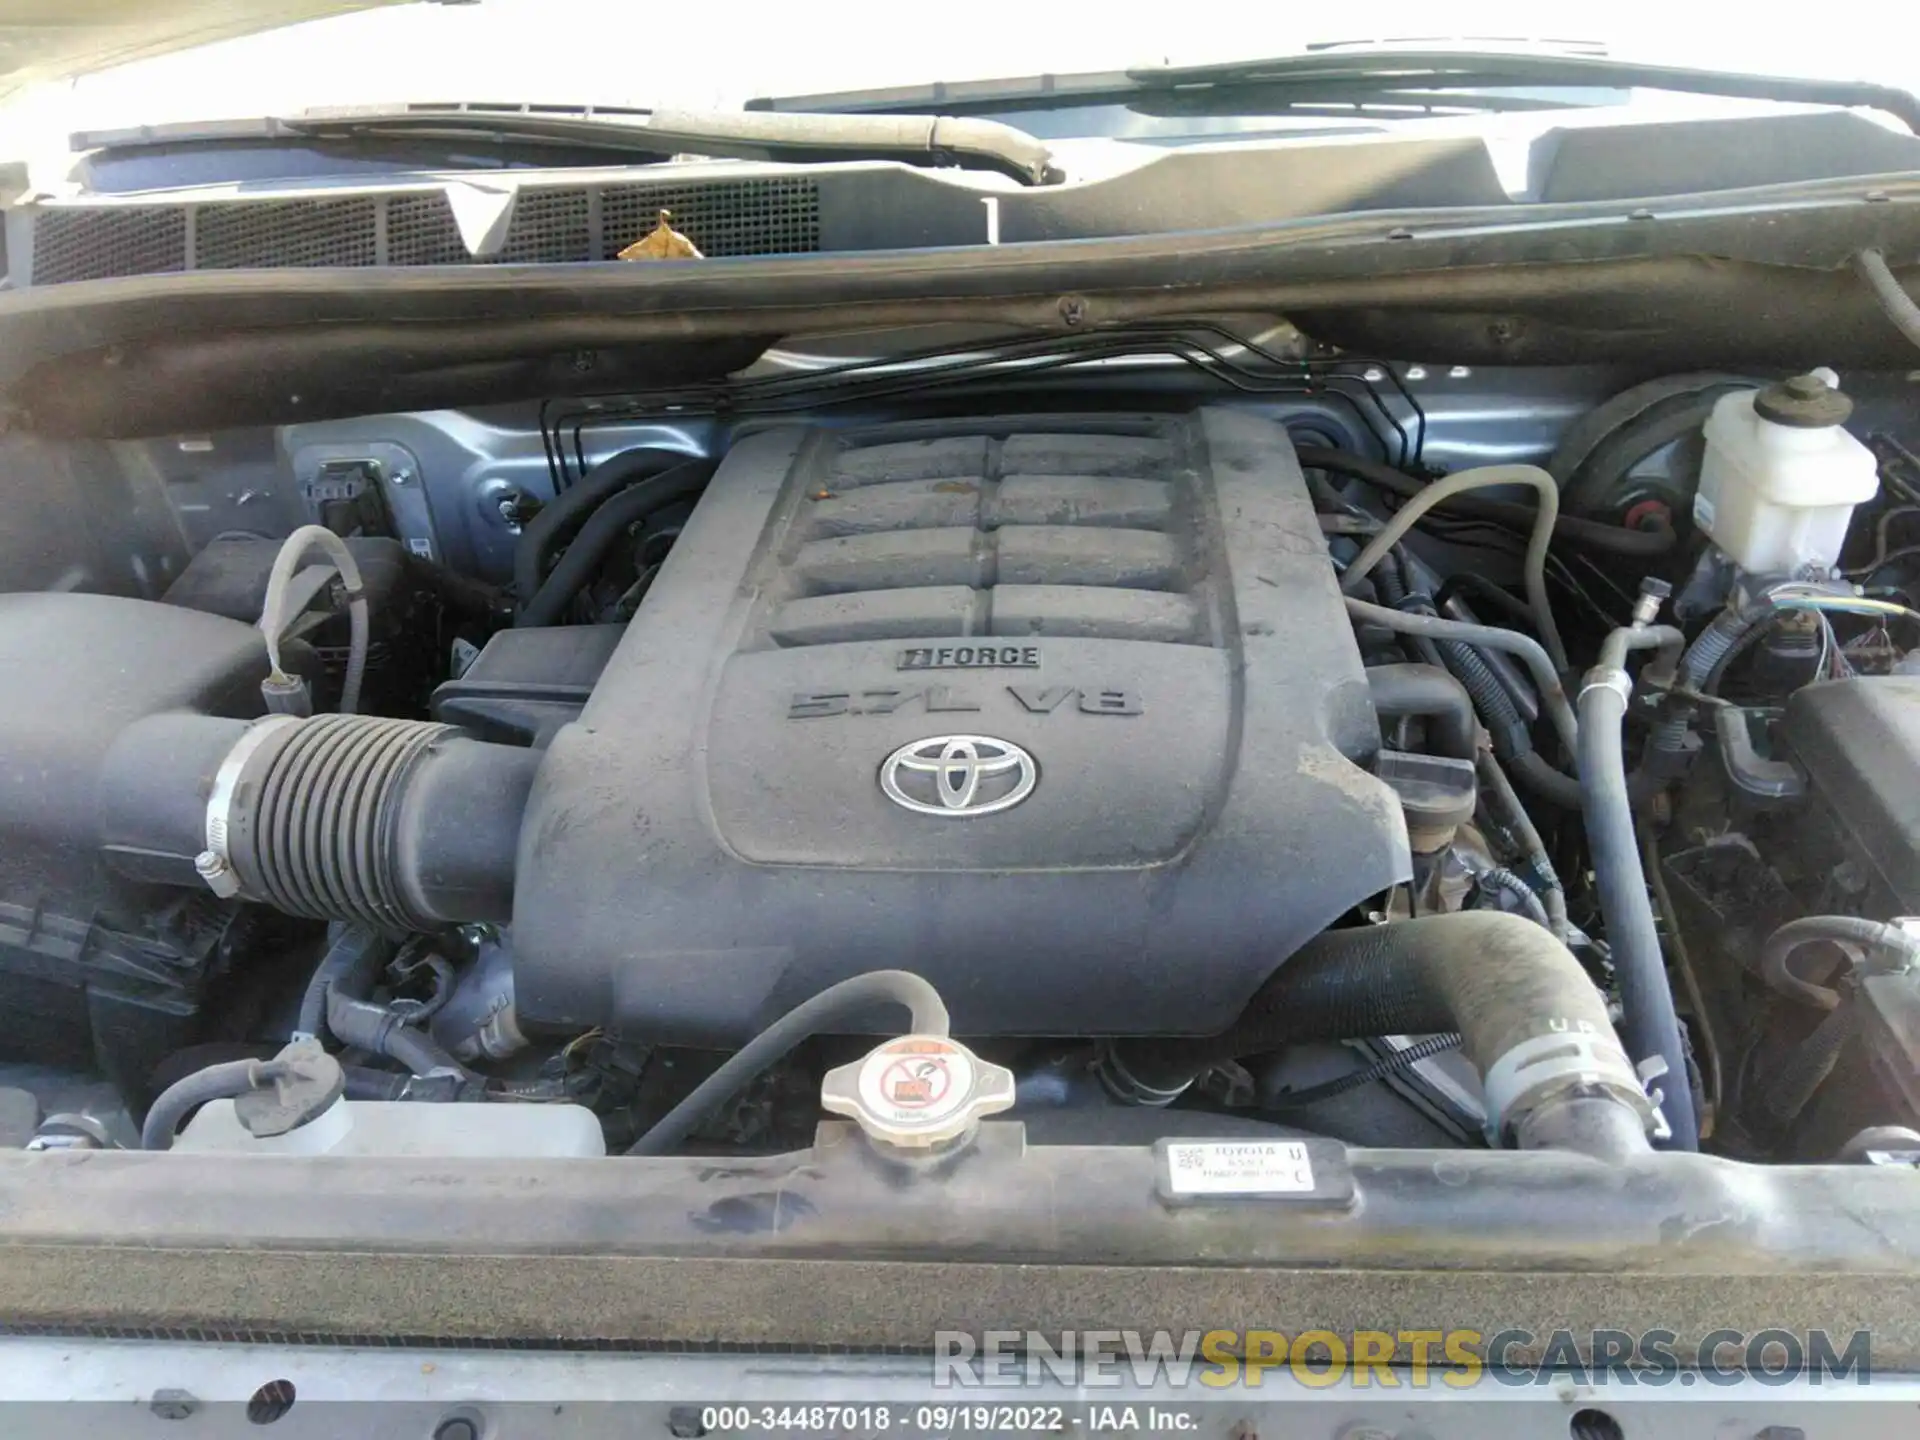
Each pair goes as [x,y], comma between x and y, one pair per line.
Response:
[394,824]
[1531,1022]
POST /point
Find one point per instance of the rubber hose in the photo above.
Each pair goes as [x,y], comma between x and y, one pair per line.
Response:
[1497,790]
[1651,1025]
[1726,631]
[928,1016]
[1534,566]
[1434,695]
[602,531]
[1808,1065]
[272,623]
[1398,594]
[1531,770]
[1552,694]
[1504,882]
[1391,581]
[364,1084]
[1892,295]
[1587,534]
[1483,589]
[569,509]
[1512,741]
[352,950]
[1889,941]
[216,1082]
[1500,980]
[367,1026]
[1710,684]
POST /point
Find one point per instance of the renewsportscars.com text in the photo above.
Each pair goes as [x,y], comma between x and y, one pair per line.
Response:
[1389,1359]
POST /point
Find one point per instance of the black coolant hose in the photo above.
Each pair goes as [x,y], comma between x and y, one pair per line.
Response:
[341,984]
[589,549]
[1507,728]
[1434,695]
[190,1092]
[1506,809]
[1651,1025]
[367,1026]
[1531,1021]
[1805,1069]
[351,950]
[1888,945]
[1699,663]
[568,510]
[1574,529]
[833,1005]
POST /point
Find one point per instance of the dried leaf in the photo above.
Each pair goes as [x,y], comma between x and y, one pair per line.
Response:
[663,242]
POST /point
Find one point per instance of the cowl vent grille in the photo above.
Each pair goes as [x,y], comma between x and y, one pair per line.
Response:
[551,225]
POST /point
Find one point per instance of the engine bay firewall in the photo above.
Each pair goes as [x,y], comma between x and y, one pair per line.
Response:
[1062,713]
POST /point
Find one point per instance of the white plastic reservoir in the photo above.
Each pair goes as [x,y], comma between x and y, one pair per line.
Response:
[472,1131]
[1778,493]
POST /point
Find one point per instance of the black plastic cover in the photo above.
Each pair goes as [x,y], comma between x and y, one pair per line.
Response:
[1142,604]
[95,968]
[1859,742]
[528,682]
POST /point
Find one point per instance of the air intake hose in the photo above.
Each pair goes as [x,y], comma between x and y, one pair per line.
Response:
[1531,1022]
[397,825]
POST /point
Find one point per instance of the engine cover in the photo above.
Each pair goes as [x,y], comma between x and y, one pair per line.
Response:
[1063,714]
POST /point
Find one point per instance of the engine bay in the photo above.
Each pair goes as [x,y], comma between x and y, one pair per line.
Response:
[1415,756]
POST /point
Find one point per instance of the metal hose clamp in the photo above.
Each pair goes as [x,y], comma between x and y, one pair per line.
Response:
[215,863]
[1545,1065]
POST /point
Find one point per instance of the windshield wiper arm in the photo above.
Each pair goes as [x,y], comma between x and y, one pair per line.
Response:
[1417,79]
[654,134]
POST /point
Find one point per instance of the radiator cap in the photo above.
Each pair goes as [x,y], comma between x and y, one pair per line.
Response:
[917,1092]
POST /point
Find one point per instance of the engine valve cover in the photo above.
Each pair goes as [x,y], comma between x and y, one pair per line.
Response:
[1062,713]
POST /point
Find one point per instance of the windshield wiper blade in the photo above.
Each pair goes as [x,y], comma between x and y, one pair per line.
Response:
[652,134]
[1378,79]
[1448,69]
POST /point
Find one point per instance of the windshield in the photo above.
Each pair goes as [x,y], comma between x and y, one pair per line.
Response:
[614,52]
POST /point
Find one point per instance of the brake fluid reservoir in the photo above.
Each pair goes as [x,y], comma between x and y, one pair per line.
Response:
[1781,475]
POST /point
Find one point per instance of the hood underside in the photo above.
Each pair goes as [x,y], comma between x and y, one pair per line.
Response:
[44,40]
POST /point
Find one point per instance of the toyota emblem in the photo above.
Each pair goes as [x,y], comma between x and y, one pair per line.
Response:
[958,777]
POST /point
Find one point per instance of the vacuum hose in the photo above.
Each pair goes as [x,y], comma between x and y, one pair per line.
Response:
[928,1016]
[1531,1022]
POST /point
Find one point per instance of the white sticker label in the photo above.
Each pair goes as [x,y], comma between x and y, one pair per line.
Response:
[1239,1167]
[1703,512]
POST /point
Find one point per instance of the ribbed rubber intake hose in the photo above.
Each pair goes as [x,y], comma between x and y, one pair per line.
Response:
[398,825]
[1531,1021]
